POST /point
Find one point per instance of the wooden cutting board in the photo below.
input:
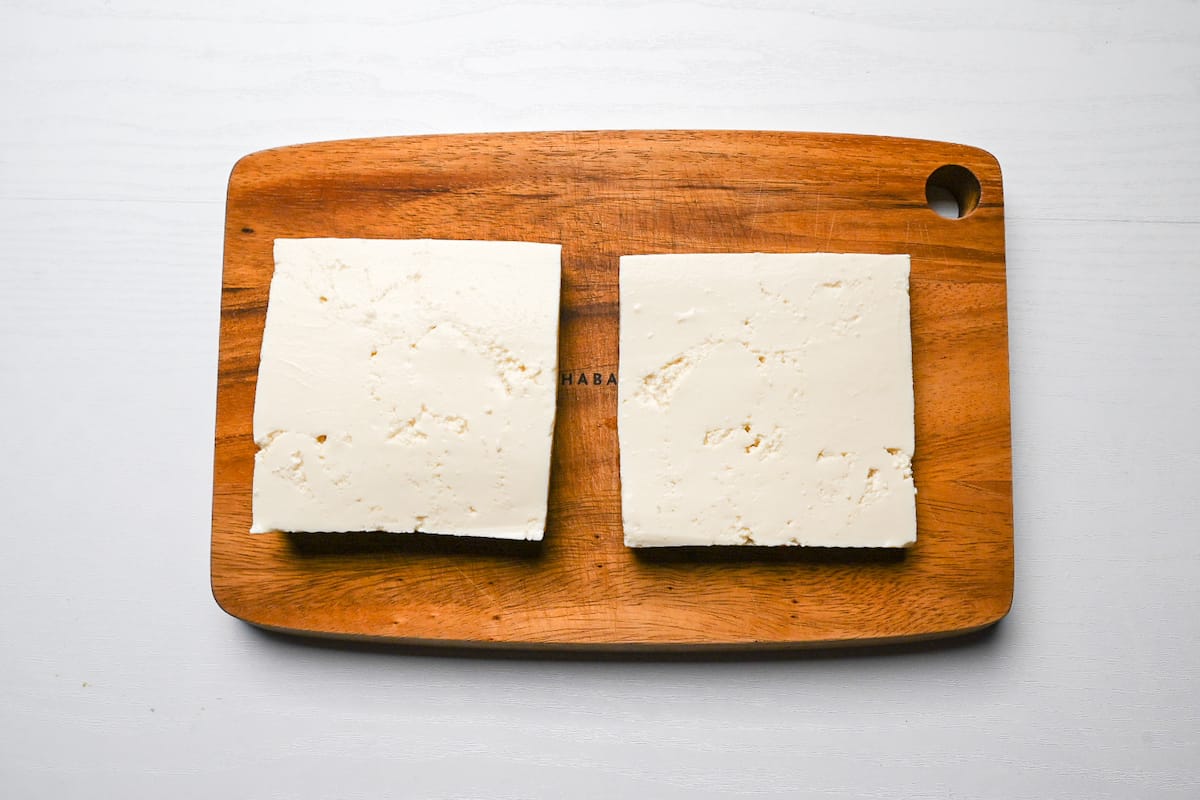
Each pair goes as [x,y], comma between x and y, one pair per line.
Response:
[601,195]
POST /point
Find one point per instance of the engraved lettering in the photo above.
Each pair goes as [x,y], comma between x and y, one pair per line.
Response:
[587,378]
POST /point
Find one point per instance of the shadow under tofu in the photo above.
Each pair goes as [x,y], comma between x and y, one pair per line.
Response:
[743,554]
[374,543]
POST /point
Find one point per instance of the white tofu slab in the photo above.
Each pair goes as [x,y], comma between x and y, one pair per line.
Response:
[766,400]
[407,386]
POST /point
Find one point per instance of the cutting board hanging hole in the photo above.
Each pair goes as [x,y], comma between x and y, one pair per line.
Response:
[952,191]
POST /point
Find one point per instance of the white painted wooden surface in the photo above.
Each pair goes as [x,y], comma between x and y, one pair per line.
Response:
[120,677]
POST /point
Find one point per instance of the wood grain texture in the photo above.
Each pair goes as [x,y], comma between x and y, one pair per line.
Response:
[601,195]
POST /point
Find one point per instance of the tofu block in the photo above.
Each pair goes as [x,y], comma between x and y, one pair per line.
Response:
[407,386]
[766,399]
